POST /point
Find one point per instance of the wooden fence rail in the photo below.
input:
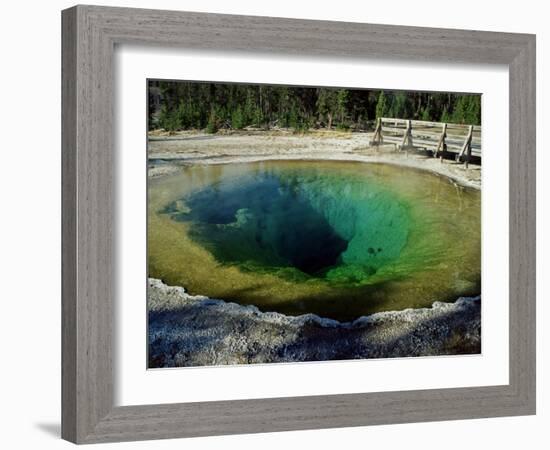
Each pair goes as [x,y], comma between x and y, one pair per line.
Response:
[442,139]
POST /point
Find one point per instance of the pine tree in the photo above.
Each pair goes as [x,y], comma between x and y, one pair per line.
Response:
[381,105]
[445,116]
[342,98]
[426,114]
[237,119]
[327,103]
[459,111]
[168,119]
[400,108]
[473,110]
[212,125]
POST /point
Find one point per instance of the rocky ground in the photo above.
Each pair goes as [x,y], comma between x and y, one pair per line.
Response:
[186,330]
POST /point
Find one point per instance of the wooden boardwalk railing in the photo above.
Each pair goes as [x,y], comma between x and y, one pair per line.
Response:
[442,139]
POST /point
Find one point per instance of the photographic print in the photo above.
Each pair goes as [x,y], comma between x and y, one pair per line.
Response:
[290,224]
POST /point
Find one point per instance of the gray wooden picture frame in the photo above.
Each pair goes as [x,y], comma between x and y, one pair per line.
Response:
[89,37]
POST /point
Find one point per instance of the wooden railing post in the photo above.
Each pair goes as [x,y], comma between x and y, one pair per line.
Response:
[377,138]
[441,145]
[407,137]
[466,147]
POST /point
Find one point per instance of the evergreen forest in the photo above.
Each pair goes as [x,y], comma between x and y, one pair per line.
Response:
[178,105]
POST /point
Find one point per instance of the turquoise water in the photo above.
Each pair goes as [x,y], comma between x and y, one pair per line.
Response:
[329,227]
[339,239]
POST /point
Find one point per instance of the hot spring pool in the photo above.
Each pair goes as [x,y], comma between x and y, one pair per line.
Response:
[338,239]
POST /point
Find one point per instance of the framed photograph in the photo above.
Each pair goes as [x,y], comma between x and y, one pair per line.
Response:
[266,230]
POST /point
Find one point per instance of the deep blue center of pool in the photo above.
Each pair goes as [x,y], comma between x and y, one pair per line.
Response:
[266,221]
